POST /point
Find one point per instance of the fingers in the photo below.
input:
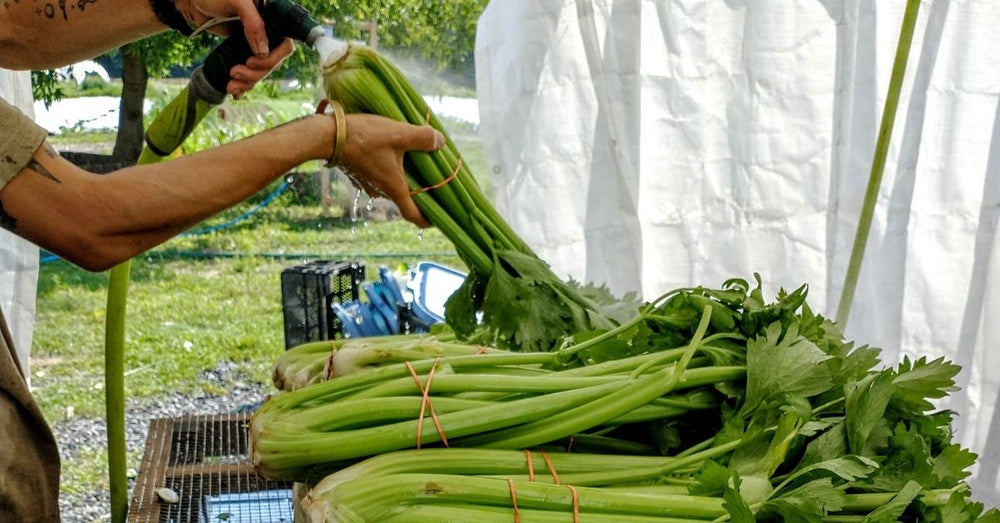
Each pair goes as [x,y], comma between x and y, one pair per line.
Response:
[408,208]
[245,76]
[421,138]
[253,26]
[373,157]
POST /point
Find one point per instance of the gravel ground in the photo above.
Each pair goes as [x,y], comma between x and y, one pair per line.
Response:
[83,434]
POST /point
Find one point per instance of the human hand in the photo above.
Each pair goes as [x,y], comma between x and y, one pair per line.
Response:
[245,76]
[373,158]
[200,12]
[256,68]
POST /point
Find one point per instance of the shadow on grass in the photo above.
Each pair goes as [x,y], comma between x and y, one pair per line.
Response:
[59,274]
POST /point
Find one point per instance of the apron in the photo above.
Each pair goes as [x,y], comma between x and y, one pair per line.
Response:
[29,459]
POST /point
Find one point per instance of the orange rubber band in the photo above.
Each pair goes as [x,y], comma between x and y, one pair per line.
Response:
[425,403]
[427,400]
[576,503]
[513,500]
[569,446]
[552,469]
[420,418]
[531,466]
[442,183]
[481,350]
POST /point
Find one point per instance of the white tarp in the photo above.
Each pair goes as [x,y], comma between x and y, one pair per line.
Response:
[18,258]
[653,144]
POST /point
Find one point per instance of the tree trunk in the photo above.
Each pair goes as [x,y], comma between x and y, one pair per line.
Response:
[129,142]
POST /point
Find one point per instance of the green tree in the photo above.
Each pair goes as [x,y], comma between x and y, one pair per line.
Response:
[439,30]
[152,57]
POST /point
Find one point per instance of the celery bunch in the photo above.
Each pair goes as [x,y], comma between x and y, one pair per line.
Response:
[711,405]
[523,303]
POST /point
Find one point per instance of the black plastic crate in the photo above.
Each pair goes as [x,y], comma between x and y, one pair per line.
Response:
[307,292]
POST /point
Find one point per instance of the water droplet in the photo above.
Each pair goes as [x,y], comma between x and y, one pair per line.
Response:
[371,204]
[420,234]
[356,207]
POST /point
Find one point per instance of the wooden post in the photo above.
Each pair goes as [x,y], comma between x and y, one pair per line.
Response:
[324,189]
[373,34]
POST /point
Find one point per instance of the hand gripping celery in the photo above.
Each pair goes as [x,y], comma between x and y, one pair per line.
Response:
[523,303]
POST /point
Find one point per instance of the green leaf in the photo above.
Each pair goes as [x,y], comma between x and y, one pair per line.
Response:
[778,366]
[922,380]
[757,459]
[866,401]
[828,445]
[848,469]
[807,503]
[461,307]
[991,516]
[711,480]
[852,364]
[959,508]
[735,505]
[894,508]
[907,458]
[951,465]
[522,308]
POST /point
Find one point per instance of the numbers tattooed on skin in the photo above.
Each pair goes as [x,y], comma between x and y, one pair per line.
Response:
[51,9]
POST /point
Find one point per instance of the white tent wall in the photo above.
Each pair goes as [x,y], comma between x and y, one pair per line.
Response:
[18,258]
[653,144]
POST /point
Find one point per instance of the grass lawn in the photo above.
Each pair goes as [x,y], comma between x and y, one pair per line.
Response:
[195,304]
[197,301]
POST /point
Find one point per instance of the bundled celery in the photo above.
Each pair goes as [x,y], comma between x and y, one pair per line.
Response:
[522,302]
[732,408]
[321,360]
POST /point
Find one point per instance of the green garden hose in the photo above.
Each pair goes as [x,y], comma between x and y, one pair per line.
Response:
[164,135]
[170,128]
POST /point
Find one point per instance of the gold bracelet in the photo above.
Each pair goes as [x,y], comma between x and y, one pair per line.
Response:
[341,122]
[341,143]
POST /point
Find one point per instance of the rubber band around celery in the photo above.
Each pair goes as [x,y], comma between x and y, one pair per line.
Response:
[442,183]
[513,500]
[569,445]
[425,403]
[481,350]
[576,503]
[531,466]
[552,468]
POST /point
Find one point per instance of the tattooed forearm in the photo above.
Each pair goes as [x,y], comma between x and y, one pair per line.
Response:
[54,8]
[6,220]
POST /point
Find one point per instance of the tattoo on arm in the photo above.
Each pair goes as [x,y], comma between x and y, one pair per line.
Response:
[40,169]
[34,165]
[53,8]
[6,220]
